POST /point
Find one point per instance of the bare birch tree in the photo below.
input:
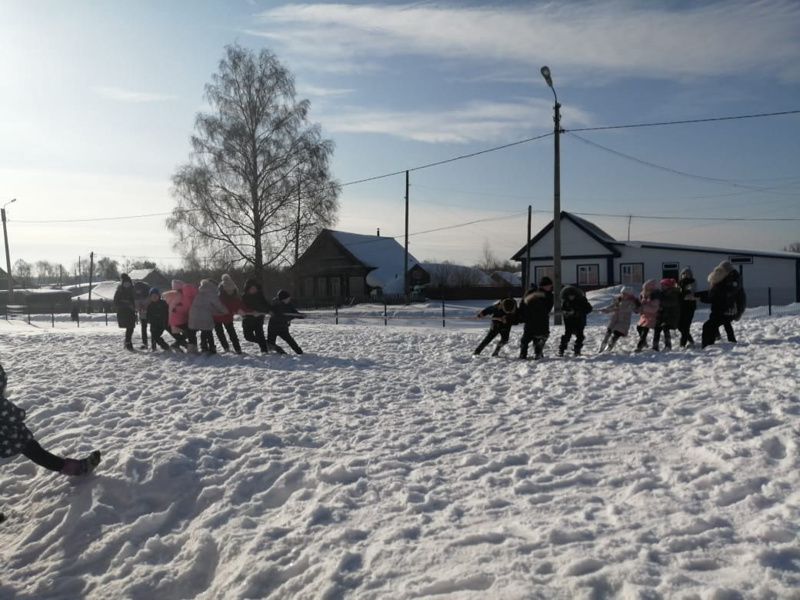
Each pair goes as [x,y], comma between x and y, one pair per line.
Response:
[258,182]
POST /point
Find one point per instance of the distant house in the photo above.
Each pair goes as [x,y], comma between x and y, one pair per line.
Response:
[506,278]
[449,275]
[591,258]
[152,277]
[339,264]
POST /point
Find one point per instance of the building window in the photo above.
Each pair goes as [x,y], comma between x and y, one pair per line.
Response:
[322,287]
[631,273]
[356,286]
[543,272]
[308,287]
[588,274]
[336,286]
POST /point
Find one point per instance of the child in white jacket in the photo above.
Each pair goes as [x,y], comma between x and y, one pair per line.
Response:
[201,315]
[621,309]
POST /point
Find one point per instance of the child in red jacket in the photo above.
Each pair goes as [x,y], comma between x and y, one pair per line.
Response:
[232,299]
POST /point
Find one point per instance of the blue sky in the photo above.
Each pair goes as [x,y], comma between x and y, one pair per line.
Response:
[99,98]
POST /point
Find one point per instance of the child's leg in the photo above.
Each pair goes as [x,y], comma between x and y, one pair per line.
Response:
[129,338]
[564,342]
[231,329]
[614,337]
[642,337]
[667,340]
[656,337]
[728,325]
[579,338]
[523,344]
[208,338]
[605,344]
[220,331]
[504,334]
[158,340]
[287,337]
[489,337]
[539,342]
[143,322]
[42,457]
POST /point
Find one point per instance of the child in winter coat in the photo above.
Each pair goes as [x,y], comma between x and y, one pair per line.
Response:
[727,299]
[16,438]
[230,298]
[649,303]
[257,308]
[534,312]
[688,305]
[179,299]
[141,292]
[621,309]
[281,314]
[669,312]
[574,308]
[158,318]
[201,314]
[504,315]
[124,302]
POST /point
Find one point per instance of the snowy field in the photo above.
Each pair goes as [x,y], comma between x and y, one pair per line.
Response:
[387,462]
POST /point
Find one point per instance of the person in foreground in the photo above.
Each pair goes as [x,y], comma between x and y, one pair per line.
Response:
[16,438]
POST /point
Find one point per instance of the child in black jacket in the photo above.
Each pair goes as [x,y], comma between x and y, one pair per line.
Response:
[535,313]
[16,438]
[158,319]
[574,308]
[257,308]
[281,315]
[504,316]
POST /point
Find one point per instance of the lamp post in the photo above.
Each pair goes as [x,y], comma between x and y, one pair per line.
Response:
[556,199]
[8,256]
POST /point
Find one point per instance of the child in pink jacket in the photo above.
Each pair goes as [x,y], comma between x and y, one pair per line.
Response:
[650,301]
[179,300]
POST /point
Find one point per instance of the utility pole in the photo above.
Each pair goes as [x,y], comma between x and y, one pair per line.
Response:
[556,199]
[8,256]
[405,252]
[91,270]
[526,275]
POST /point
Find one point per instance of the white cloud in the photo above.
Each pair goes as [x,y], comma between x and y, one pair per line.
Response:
[313,90]
[477,121]
[616,38]
[123,95]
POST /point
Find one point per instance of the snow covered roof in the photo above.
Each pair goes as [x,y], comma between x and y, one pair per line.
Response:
[384,254]
[507,277]
[104,290]
[709,249]
[140,274]
[455,275]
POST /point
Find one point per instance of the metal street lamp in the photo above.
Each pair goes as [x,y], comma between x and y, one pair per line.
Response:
[8,256]
[556,199]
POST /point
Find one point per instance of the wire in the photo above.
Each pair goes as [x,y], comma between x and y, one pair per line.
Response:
[686,121]
[675,171]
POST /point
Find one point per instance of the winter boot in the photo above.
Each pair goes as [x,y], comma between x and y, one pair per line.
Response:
[561,351]
[129,346]
[192,349]
[498,348]
[84,466]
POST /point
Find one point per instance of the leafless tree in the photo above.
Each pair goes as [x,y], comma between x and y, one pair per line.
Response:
[258,182]
[22,272]
[793,247]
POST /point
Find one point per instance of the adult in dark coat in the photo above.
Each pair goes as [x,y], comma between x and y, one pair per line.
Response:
[16,438]
[669,313]
[157,315]
[141,291]
[688,305]
[281,314]
[574,308]
[125,303]
[534,312]
[727,300]
[257,308]
[504,315]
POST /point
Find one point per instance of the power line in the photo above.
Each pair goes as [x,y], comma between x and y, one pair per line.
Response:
[686,121]
[674,171]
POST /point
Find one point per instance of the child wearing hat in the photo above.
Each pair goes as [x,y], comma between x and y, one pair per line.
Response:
[504,316]
[621,309]
[16,438]
[158,318]
[281,314]
[649,303]
[125,303]
[201,314]
[574,308]
[688,305]
[534,312]
[256,308]
[231,299]
[669,312]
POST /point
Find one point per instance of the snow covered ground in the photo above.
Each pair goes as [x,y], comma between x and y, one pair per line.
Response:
[389,463]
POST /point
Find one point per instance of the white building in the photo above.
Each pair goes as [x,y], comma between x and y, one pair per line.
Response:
[592,258]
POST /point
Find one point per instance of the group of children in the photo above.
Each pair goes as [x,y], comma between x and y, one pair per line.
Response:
[187,310]
[662,307]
